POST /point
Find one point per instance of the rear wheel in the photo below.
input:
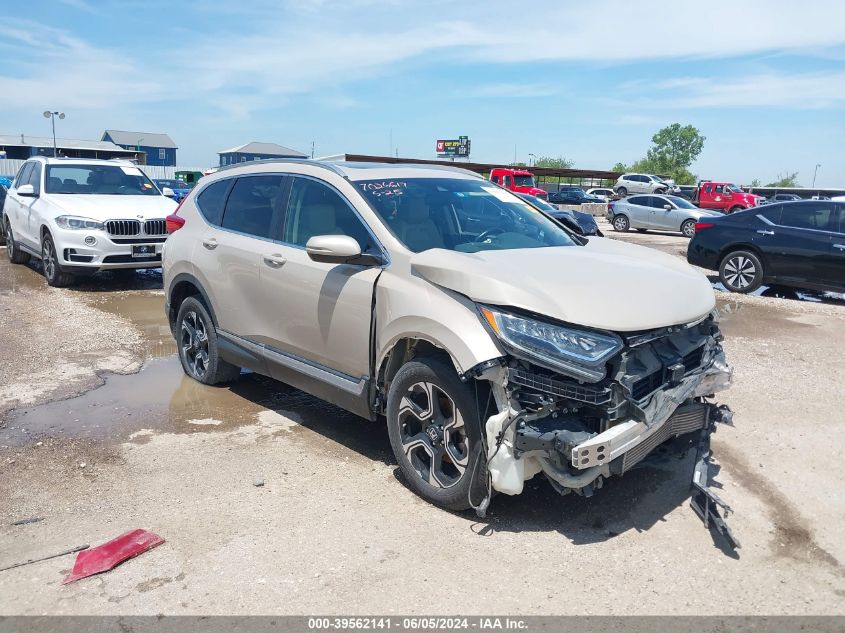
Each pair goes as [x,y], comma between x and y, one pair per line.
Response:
[622,191]
[741,271]
[621,223]
[15,254]
[198,348]
[688,228]
[50,261]
[434,430]
[735,209]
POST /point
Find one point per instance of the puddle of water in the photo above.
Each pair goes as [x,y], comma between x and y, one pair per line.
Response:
[145,309]
[14,278]
[161,397]
[752,321]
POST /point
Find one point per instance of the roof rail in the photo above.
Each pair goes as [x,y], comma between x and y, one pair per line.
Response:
[289,161]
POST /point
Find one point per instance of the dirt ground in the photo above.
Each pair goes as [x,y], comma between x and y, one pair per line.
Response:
[101,433]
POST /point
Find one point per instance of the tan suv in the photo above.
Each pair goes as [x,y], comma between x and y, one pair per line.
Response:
[497,344]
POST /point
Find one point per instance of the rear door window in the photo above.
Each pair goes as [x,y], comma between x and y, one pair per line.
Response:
[212,199]
[255,206]
[641,201]
[771,212]
[817,216]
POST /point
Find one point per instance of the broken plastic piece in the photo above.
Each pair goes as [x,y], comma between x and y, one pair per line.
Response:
[109,555]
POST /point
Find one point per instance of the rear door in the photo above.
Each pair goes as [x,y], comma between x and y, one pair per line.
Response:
[242,213]
[800,248]
[639,212]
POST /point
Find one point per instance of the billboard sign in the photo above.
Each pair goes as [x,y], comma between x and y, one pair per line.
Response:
[454,148]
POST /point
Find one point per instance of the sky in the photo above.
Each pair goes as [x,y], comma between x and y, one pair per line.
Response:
[764,81]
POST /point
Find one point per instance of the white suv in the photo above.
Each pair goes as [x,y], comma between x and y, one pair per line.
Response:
[80,216]
[640,183]
[434,298]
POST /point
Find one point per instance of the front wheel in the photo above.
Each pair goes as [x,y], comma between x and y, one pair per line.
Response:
[688,228]
[735,209]
[198,349]
[434,430]
[741,271]
[622,191]
[621,223]
[50,261]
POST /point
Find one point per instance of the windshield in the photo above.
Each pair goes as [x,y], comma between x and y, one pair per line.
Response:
[733,189]
[117,180]
[537,202]
[524,181]
[459,215]
[681,203]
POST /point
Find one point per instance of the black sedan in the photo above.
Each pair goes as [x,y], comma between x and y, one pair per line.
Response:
[793,244]
[581,223]
[572,195]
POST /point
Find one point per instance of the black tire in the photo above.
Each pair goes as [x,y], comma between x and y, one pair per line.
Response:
[622,191]
[50,262]
[741,271]
[421,434]
[735,209]
[621,223]
[660,191]
[15,254]
[196,340]
[688,228]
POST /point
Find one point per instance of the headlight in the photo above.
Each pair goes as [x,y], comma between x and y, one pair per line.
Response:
[81,224]
[577,353]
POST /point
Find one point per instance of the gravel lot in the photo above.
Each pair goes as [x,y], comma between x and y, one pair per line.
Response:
[333,529]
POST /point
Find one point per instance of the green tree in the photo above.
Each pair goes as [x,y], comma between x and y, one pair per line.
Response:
[756,183]
[560,162]
[786,180]
[674,148]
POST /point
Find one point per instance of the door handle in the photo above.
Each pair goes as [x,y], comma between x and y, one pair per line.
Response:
[766,232]
[210,243]
[841,247]
[274,261]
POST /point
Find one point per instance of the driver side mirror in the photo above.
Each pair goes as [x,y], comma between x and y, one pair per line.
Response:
[338,249]
[167,191]
[27,191]
[668,207]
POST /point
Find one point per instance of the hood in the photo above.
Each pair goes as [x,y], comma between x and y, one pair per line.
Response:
[606,284]
[542,193]
[106,207]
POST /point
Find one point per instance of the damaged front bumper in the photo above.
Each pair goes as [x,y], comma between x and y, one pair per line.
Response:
[577,434]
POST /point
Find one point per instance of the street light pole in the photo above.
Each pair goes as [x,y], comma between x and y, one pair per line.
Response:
[52,116]
[815,171]
[532,158]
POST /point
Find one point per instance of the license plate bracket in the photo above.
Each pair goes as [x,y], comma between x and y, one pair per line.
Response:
[143,250]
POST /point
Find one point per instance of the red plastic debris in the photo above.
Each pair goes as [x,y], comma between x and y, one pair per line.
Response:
[109,555]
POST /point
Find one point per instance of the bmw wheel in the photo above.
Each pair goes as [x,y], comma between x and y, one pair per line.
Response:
[198,348]
[50,261]
[434,430]
[16,255]
[741,271]
[621,223]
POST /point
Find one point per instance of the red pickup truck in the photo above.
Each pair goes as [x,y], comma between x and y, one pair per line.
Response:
[517,180]
[724,196]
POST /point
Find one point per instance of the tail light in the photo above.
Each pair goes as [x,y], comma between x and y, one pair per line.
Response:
[610,206]
[173,222]
[700,226]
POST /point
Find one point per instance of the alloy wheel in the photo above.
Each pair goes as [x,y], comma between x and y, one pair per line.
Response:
[433,435]
[193,341]
[688,228]
[740,271]
[10,240]
[620,223]
[48,256]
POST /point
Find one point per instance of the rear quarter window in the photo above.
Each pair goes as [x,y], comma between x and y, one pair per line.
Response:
[771,213]
[212,199]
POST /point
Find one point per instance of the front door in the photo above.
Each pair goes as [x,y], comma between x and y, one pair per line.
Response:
[318,312]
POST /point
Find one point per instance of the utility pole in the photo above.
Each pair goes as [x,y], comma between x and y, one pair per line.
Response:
[312,149]
[815,171]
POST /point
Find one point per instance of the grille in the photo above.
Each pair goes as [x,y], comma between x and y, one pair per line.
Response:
[540,382]
[685,420]
[123,227]
[155,227]
[128,259]
[138,240]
